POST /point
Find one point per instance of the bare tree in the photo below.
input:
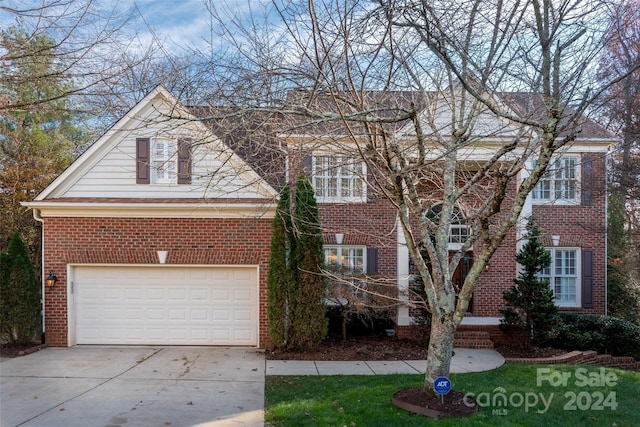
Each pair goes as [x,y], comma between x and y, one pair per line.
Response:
[621,101]
[454,107]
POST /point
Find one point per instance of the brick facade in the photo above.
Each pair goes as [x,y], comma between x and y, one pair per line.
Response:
[134,241]
[246,240]
[371,224]
[581,226]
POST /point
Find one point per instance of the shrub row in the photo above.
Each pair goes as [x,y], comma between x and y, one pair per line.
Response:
[603,334]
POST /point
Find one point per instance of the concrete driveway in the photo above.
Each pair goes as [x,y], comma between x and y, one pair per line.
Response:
[109,386]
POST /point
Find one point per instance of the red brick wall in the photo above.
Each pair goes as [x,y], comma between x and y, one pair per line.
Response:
[369,224]
[580,226]
[136,240]
[487,296]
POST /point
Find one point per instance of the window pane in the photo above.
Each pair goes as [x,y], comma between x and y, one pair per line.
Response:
[336,177]
[560,183]
[164,160]
[350,257]
[331,256]
[565,270]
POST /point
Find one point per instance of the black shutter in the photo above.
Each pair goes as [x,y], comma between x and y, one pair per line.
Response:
[587,182]
[307,165]
[587,278]
[143,169]
[372,260]
[184,161]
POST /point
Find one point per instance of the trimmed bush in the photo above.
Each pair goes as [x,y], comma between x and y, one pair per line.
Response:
[19,295]
[603,334]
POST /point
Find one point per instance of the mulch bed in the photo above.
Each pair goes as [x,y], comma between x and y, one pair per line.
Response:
[8,350]
[379,347]
[530,352]
[451,405]
[367,347]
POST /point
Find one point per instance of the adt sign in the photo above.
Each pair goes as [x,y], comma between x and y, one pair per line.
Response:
[442,385]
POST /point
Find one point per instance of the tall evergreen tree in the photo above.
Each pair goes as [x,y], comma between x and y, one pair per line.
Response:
[530,304]
[623,291]
[280,277]
[19,294]
[308,309]
[38,141]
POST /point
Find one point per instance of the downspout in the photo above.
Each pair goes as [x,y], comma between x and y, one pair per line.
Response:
[286,160]
[606,239]
[38,217]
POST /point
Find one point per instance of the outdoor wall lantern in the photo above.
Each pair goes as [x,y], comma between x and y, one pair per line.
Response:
[486,266]
[51,280]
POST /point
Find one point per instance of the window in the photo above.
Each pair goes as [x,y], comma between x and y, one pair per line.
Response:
[163,161]
[458,230]
[352,258]
[560,183]
[563,276]
[458,234]
[336,178]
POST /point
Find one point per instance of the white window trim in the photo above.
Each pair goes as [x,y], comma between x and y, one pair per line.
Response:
[338,198]
[171,157]
[339,258]
[578,251]
[550,171]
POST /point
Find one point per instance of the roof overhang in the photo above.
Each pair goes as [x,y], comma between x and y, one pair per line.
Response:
[262,210]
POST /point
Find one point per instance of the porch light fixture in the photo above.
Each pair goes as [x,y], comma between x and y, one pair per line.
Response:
[486,266]
[50,281]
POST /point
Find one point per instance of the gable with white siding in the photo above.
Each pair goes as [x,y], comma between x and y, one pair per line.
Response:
[108,168]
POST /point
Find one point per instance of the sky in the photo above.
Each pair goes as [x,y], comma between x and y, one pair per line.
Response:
[179,23]
[175,22]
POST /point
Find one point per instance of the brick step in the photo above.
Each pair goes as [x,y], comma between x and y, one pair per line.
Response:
[472,339]
[473,344]
[476,335]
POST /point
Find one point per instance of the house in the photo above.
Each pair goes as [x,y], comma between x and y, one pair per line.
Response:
[160,232]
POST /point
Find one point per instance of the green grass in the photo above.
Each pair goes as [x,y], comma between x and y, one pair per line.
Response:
[353,400]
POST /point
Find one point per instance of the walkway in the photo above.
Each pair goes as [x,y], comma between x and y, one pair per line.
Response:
[464,360]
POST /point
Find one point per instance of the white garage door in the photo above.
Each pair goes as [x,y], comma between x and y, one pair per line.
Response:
[166,305]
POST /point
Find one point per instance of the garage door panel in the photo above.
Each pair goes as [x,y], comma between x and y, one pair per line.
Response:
[199,295]
[166,305]
[199,315]
[242,315]
[155,293]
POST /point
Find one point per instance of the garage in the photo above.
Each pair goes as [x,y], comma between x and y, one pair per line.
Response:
[164,305]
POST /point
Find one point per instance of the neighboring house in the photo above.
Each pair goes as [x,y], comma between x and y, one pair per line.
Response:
[160,232]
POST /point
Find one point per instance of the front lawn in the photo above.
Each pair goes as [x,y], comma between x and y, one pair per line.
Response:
[513,395]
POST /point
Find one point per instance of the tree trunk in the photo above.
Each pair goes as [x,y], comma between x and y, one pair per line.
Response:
[440,349]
